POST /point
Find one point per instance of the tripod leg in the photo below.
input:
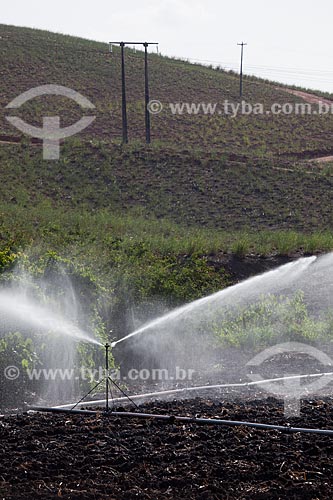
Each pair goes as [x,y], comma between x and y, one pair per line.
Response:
[123,392]
[84,397]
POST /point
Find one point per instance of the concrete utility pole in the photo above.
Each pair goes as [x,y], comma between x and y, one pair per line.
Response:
[123,87]
[241,69]
[123,95]
[147,114]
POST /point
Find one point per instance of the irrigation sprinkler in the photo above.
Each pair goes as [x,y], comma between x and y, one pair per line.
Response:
[107,379]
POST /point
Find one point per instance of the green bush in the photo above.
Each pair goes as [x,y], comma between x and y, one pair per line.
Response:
[176,279]
[7,258]
[16,351]
[271,320]
[47,279]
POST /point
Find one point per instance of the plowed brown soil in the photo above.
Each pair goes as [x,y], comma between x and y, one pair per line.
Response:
[80,457]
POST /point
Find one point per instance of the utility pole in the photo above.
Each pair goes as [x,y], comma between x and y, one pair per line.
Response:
[241,69]
[107,347]
[147,114]
[123,95]
[123,86]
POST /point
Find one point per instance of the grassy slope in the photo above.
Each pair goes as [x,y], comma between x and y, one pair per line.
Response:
[190,190]
[202,171]
[30,58]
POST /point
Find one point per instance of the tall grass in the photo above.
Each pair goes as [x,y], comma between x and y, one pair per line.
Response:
[48,226]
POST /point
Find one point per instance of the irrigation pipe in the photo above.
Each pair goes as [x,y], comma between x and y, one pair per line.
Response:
[190,420]
[185,390]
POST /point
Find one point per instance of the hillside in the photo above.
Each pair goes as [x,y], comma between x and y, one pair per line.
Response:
[30,58]
[215,171]
[189,189]
[111,236]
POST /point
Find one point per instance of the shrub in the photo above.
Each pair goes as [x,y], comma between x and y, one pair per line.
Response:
[271,320]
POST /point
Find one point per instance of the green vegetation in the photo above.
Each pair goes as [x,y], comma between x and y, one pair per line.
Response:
[133,224]
[272,320]
[7,258]
[15,350]
[94,237]
[47,280]
[191,190]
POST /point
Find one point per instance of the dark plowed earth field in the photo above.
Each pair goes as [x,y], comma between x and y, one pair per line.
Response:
[84,457]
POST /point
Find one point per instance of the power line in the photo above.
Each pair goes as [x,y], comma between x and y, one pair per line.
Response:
[266,72]
[233,65]
[226,64]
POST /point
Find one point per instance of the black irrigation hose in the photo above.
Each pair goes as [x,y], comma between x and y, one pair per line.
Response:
[189,420]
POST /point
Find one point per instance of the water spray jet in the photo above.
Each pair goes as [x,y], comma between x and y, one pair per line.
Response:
[286,279]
